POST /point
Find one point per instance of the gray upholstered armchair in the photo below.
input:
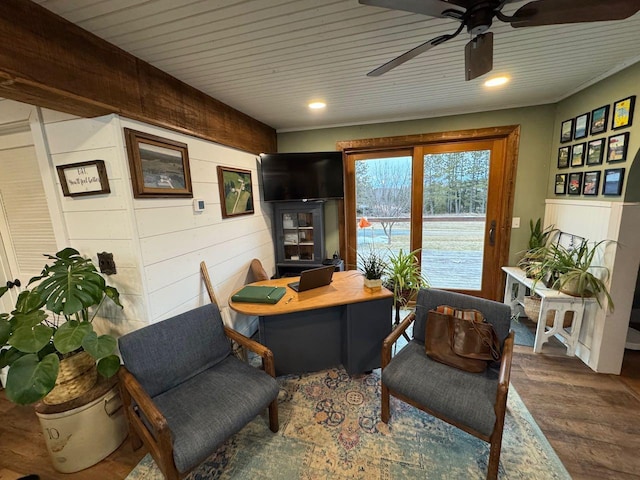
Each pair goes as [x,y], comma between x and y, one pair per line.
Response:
[473,402]
[185,393]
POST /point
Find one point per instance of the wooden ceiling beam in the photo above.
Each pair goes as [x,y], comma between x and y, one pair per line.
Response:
[48,61]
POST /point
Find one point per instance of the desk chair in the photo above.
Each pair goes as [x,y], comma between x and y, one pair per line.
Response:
[473,402]
[183,391]
[258,271]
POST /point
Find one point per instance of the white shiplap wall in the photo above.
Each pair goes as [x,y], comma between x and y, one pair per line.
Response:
[158,243]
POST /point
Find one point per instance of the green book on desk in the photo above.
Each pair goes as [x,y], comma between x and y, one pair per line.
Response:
[259,294]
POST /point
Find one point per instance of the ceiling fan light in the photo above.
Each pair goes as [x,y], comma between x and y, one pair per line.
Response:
[317,105]
[496,81]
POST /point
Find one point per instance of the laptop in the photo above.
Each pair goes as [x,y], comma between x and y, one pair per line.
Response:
[313,278]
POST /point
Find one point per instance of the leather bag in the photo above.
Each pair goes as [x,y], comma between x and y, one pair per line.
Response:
[460,339]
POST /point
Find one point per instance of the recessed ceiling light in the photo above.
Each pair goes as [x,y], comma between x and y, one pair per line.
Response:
[317,105]
[496,81]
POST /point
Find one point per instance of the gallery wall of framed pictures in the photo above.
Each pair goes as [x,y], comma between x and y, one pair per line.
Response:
[593,148]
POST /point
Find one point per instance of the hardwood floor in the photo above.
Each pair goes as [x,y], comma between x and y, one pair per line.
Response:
[591,420]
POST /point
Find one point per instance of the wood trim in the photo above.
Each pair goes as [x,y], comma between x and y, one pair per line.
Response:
[367,144]
[508,134]
[50,62]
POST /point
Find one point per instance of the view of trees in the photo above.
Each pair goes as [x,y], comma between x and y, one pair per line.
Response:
[454,183]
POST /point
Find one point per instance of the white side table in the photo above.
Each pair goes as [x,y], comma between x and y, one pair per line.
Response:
[552,300]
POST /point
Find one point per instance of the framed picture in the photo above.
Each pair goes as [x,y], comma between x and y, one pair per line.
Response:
[236,195]
[595,151]
[613,179]
[599,120]
[159,167]
[623,113]
[563,157]
[581,129]
[591,183]
[561,184]
[575,183]
[566,131]
[83,178]
[577,155]
[617,147]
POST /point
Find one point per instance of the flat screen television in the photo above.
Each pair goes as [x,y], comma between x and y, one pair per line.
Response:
[301,176]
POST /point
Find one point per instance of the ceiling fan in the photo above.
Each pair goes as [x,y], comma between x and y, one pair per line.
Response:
[477,16]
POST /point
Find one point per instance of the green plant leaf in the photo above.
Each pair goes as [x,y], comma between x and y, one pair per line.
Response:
[3,290]
[114,295]
[29,319]
[28,301]
[5,331]
[99,346]
[109,366]
[70,335]
[31,339]
[30,379]
[8,356]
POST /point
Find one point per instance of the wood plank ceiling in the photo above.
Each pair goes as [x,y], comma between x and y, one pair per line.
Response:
[270,58]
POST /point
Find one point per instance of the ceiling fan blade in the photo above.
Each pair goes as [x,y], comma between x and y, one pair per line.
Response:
[478,56]
[555,12]
[433,8]
[414,52]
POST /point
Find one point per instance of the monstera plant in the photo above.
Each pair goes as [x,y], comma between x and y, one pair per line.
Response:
[51,323]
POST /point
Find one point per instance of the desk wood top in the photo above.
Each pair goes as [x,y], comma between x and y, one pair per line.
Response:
[346,287]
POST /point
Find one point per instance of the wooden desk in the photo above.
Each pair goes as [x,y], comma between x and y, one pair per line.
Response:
[341,323]
[551,300]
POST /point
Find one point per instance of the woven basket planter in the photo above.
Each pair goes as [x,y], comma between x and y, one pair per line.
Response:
[77,375]
[532,310]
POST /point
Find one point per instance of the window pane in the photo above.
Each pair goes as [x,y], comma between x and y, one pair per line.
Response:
[454,214]
[383,204]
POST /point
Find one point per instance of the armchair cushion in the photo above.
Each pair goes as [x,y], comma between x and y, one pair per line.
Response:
[213,405]
[462,397]
[196,338]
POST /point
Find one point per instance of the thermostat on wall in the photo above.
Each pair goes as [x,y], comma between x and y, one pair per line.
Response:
[198,204]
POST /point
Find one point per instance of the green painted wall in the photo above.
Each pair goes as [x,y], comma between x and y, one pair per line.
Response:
[536,135]
[621,85]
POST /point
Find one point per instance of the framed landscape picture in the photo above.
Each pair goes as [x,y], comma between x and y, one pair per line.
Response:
[566,131]
[595,151]
[581,129]
[623,113]
[561,184]
[575,183]
[612,184]
[577,155]
[617,147]
[563,157]
[235,188]
[159,167]
[599,120]
[591,183]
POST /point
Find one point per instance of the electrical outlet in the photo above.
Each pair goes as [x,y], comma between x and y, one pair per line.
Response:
[106,263]
[515,222]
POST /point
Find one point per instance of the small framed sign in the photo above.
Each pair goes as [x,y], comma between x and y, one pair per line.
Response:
[83,178]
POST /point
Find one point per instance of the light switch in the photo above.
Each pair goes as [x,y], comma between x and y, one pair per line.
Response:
[515,222]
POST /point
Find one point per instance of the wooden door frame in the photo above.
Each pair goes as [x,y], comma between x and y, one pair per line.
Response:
[511,136]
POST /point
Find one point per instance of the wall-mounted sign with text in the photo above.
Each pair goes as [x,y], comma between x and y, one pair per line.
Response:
[84,178]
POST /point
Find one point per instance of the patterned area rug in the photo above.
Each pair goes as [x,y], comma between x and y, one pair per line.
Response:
[330,428]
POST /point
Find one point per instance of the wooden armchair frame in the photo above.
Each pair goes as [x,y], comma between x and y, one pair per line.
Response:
[500,405]
[155,433]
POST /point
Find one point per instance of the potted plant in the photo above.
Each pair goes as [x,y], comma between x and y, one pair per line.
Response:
[50,334]
[535,252]
[404,277]
[571,271]
[373,267]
